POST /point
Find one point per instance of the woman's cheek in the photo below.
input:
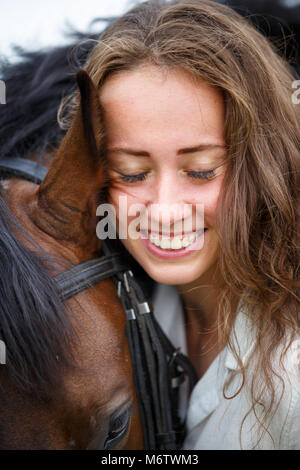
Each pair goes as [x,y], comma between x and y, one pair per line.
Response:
[207,195]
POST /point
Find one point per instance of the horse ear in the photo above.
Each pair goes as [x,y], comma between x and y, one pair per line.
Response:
[91,113]
[68,193]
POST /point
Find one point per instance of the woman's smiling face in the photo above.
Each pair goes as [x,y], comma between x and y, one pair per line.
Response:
[166,146]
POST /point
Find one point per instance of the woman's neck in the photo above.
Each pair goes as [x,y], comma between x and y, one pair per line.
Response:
[200,298]
[200,305]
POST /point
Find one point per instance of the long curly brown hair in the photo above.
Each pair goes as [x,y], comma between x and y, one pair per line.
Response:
[258,216]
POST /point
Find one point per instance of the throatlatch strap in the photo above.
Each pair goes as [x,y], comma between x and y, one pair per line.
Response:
[86,274]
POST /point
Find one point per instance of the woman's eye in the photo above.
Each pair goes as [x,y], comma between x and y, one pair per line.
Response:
[205,175]
[117,429]
[133,178]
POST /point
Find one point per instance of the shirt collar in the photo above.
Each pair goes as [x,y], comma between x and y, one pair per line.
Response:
[207,393]
[169,313]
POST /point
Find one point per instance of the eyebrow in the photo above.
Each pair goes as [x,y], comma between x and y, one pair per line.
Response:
[142,153]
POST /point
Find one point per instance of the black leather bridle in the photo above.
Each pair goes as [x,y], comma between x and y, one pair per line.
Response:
[159,369]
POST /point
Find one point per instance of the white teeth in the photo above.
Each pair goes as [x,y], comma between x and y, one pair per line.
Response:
[175,243]
[165,243]
[186,241]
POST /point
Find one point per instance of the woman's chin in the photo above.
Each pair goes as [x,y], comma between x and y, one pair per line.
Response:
[167,273]
[175,271]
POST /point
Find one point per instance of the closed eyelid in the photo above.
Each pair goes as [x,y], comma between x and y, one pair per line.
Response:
[192,155]
[133,168]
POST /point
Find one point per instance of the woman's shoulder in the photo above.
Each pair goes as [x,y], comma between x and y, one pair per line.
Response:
[284,402]
[278,407]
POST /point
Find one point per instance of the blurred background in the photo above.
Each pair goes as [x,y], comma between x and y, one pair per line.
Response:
[35,24]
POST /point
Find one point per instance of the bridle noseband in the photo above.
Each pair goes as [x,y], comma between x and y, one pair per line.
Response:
[159,368]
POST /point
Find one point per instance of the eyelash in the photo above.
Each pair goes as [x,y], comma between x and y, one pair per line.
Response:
[206,175]
[133,178]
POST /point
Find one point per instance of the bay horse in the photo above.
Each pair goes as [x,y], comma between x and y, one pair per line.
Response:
[67,382]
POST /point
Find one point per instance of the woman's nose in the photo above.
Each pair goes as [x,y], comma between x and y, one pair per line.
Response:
[165,189]
[167,208]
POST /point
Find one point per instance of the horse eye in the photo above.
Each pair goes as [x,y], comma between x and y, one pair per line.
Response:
[117,429]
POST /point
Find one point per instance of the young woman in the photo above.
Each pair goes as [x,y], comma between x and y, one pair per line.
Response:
[198,112]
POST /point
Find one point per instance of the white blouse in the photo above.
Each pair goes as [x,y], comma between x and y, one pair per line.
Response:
[213,421]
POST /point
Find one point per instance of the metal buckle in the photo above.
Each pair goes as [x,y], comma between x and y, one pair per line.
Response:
[126,282]
[130,314]
[144,308]
[175,353]
[119,289]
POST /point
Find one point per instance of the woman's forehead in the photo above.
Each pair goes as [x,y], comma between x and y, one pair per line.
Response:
[153,101]
[150,82]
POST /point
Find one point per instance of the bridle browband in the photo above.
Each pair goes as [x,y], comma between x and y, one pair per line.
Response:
[159,368]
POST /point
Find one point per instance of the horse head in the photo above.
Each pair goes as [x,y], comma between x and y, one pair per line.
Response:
[67,383]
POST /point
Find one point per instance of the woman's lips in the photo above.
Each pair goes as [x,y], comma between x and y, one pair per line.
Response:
[173,253]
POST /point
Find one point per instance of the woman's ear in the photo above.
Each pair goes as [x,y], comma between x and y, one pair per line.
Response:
[67,197]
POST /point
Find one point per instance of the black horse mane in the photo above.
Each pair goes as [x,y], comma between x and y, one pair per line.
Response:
[34,324]
[28,126]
